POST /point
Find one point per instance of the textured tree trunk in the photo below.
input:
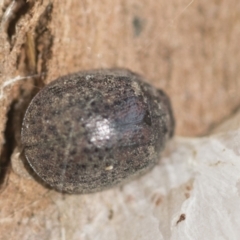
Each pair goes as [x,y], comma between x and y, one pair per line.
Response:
[188,48]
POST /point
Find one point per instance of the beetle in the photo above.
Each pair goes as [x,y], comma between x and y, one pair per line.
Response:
[92,130]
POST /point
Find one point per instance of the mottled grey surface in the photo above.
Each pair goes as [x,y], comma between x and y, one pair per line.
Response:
[91,130]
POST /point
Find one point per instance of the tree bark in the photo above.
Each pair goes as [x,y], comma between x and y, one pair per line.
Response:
[190,49]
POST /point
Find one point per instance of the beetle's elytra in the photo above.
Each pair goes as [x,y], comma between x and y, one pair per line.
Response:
[92,130]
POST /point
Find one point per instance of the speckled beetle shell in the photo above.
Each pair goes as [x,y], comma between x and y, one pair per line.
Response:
[92,130]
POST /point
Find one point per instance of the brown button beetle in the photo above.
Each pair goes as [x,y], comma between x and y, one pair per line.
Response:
[92,130]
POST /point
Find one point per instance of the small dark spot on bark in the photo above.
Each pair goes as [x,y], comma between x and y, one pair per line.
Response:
[137,26]
[181,218]
[110,214]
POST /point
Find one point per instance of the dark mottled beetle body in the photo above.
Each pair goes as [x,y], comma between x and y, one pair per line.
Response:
[92,130]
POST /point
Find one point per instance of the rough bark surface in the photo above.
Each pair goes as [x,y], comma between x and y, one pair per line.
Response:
[188,48]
